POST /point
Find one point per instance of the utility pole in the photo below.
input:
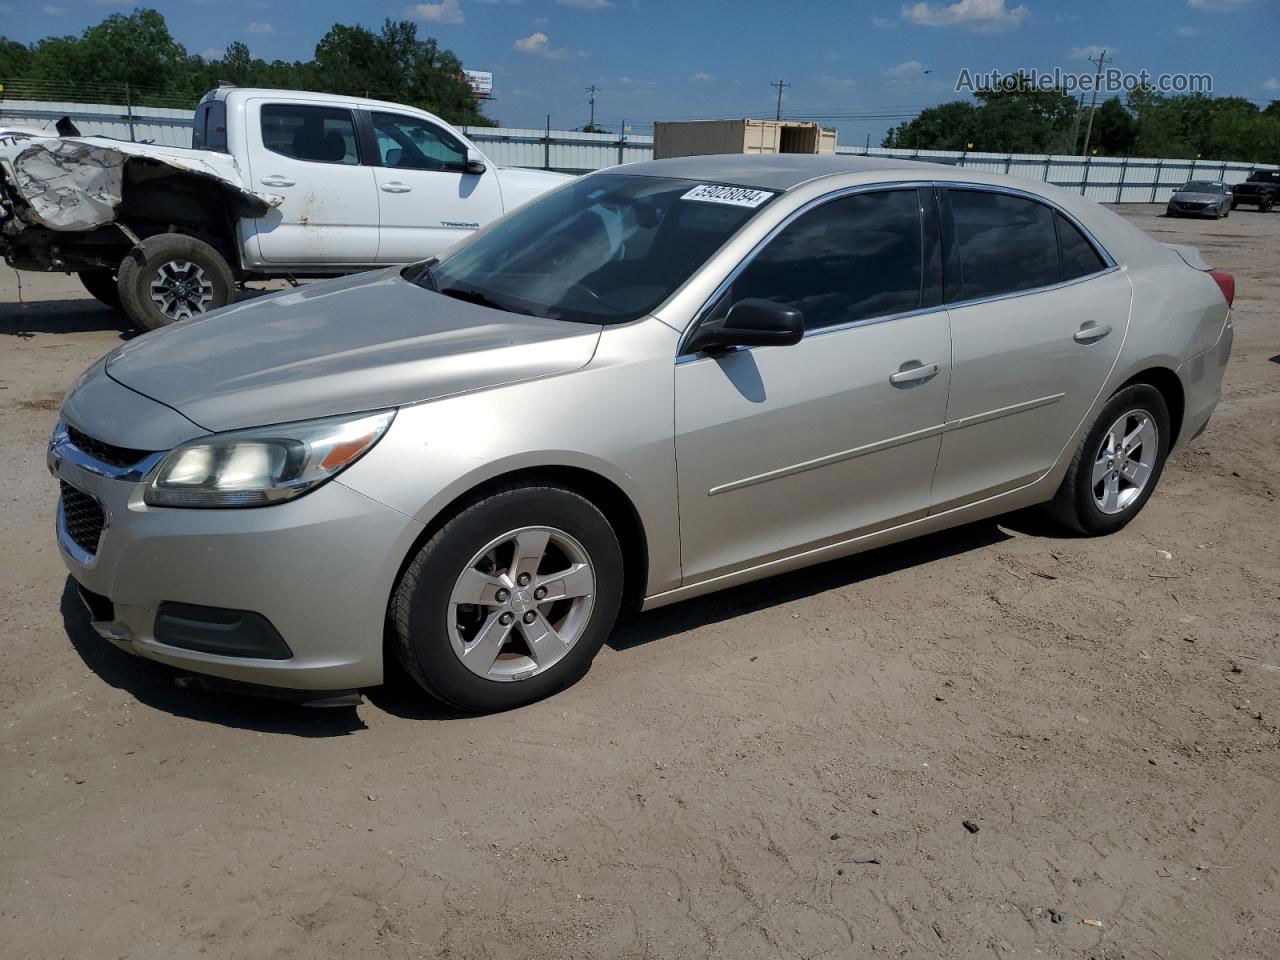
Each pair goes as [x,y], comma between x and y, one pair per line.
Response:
[1075,123]
[780,85]
[1093,104]
[591,94]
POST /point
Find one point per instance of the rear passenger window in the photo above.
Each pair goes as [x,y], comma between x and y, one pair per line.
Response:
[1079,258]
[851,259]
[1002,244]
[318,134]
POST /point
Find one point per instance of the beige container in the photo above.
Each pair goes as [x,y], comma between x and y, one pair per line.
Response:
[700,137]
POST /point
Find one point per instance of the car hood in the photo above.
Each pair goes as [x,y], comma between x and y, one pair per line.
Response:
[358,343]
[1198,197]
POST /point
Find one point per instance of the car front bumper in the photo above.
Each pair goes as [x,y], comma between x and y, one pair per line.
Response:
[319,570]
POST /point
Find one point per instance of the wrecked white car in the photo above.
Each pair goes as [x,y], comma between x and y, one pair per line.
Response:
[277,183]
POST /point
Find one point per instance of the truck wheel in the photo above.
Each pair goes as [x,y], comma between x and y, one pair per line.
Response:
[101,285]
[1265,206]
[173,277]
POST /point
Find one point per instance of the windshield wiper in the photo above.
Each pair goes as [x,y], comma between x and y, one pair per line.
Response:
[426,276]
[468,295]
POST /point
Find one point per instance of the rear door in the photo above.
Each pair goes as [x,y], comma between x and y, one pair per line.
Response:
[782,449]
[426,199]
[1038,315]
[308,152]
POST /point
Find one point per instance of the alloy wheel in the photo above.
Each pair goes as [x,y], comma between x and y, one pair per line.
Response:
[1125,461]
[521,603]
[181,289]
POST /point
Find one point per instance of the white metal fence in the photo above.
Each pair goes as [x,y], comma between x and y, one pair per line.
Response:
[1107,179]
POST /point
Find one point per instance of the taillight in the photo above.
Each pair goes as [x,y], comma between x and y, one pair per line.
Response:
[1226,283]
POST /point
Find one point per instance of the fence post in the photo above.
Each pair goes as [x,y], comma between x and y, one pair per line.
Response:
[1124,173]
[546,146]
[1223,175]
[1008,162]
[622,141]
[1048,162]
[1155,185]
[1084,184]
[128,110]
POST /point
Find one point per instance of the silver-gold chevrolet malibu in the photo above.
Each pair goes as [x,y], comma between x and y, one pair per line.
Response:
[657,381]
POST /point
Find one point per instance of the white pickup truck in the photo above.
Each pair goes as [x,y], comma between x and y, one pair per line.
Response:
[277,183]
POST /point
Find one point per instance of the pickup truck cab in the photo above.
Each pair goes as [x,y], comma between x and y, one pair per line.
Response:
[277,183]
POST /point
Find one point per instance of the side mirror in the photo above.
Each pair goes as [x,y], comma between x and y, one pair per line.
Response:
[751,323]
[475,164]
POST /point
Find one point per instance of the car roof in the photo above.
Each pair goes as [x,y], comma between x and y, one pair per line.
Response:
[779,171]
[337,99]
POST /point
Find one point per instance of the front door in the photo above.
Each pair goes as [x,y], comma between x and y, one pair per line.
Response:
[308,153]
[427,200]
[782,449]
[1037,319]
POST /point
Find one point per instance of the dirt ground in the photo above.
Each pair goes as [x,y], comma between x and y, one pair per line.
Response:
[783,770]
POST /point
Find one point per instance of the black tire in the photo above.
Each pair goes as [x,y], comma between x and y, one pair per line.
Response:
[1073,506]
[420,605]
[144,263]
[1265,206]
[101,285]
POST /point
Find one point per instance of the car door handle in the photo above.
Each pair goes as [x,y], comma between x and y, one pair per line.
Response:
[277,181]
[395,186]
[1091,332]
[912,372]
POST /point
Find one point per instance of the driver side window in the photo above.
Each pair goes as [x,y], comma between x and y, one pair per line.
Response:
[851,259]
[412,144]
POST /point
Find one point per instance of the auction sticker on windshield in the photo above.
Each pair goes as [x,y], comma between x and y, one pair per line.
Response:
[737,196]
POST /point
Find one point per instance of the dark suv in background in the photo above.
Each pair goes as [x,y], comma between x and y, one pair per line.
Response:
[1262,190]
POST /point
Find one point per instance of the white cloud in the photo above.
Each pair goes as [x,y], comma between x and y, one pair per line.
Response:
[986,16]
[446,11]
[884,23]
[260,28]
[1272,84]
[211,53]
[702,76]
[585,4]
[493,2]
[1090,52]
[1218,4]
[908,69]
[539,43]
[52,11]
[1188,31]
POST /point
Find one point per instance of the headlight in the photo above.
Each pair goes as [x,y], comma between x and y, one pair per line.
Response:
[263,465]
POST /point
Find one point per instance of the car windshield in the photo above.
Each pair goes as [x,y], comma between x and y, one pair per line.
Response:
[1200,186]
[606,248]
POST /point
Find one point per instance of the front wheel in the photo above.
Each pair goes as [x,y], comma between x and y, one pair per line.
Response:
[172,277]
[511,598]
[1118,464]
[1265,206]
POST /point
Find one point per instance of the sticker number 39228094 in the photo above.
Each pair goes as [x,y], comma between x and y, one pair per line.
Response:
[737,196]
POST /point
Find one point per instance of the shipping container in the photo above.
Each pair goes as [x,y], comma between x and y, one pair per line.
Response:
[700,137]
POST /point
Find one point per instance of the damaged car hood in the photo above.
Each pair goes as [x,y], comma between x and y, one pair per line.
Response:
[76,183]
[362,342]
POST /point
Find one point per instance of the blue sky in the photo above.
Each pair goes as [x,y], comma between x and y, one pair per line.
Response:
[662,59]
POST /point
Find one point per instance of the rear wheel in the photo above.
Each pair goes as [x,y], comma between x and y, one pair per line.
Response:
[511,599]
[1118,464]
[172,277]
[101,285]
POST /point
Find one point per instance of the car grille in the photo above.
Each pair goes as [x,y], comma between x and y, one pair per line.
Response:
[1187,205]
[105,452]
[83,518]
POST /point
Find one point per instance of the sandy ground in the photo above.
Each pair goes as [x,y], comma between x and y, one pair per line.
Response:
[778,771]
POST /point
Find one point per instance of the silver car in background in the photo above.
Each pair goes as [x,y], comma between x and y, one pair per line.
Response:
[658,381]
[1200,198]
